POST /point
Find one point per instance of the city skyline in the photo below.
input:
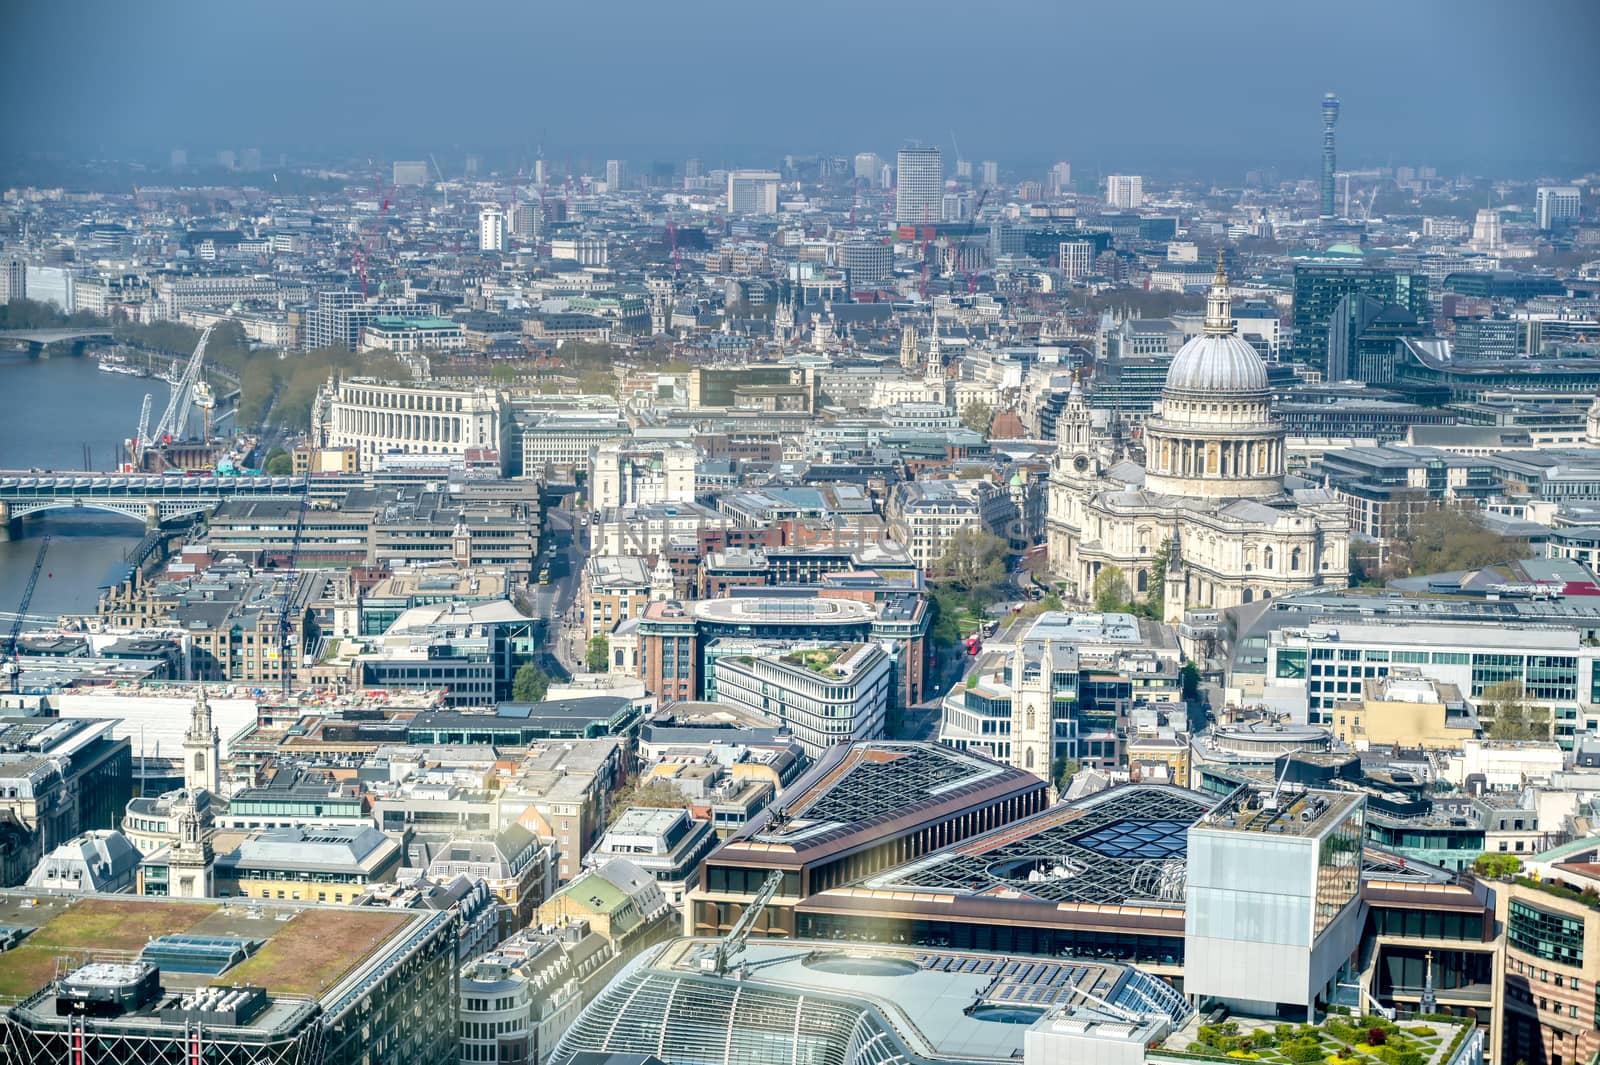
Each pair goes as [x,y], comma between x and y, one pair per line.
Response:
[404,84]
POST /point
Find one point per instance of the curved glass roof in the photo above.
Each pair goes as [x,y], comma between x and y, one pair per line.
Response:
[1125,845]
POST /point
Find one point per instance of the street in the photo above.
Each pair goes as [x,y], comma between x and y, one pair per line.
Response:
[557,600]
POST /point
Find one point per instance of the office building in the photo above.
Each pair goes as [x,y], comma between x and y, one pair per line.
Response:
[491,229]
[862,808]
[1557,205]
[55,285]
[614,172]
[378,419]
[1364,339]
[13,279]
[919,186]
[867,166]
[664,842]
[991,174]
[1125,192]
[1273,943]
[822,694]
[1319,288]
[58,779]
[271,984]
[1330,117]
[1077,259]
[753,192]
[868,262]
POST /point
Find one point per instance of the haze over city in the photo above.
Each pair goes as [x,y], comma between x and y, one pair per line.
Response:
[1165,86]
[871,533]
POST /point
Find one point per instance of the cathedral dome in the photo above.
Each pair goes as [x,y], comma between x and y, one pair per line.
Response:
[1211,363]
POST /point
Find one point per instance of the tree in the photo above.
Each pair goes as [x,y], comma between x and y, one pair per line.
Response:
[1062,771]
[973,563]
[530,683]
[1190,675]
[1110,592]
[977,415]
[1510,715]
[598,659]
[279,463]
[645,793]
[1494,865]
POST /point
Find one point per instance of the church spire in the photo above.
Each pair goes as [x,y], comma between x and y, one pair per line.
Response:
[1219,305]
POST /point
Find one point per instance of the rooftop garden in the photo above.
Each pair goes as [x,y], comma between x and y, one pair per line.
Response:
[1339,1040]
[1588,896]
[315,950]
[818,660]
[86,926]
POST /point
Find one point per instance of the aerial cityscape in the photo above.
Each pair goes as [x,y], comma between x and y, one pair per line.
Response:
[877,534]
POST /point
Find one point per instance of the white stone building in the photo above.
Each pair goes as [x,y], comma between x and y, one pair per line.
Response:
[1212,487]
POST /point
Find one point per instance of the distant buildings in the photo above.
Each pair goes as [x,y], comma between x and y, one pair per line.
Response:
[1557,205]
[410,173]
[919,186]
[753,192]
[1125,192]
[1330,117]
[491,229]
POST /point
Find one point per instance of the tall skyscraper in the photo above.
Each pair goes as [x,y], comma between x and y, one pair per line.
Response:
[963,169]
[1557,204]
[692,169]
[491,229]
[991,174]
[919,186]
[753,191]
[1060,178]
[1330,116]
[1125,191]
[613,174]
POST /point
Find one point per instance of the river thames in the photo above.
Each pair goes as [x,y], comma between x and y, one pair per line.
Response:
[53,411]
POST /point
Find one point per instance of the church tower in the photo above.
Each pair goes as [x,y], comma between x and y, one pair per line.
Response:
[192,863]
[1032,708]
[909,356]
[202,748]
[661,584]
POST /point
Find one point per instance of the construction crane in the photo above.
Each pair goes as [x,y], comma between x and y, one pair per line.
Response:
[732,944]
[14,664]
[176,416]
[972,283]
[141,436]
[293,584]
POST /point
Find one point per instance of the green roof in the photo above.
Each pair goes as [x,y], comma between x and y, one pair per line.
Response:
[384,321]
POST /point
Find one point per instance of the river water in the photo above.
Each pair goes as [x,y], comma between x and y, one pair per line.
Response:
[51,412]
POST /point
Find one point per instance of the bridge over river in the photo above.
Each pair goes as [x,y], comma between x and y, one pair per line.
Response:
[148,498]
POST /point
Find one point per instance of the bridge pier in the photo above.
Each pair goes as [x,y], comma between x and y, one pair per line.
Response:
[5,522]
[152,517]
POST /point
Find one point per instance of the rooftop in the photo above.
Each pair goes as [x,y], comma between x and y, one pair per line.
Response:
[860,789]
[910,1006]
[306,951]
[1123,845]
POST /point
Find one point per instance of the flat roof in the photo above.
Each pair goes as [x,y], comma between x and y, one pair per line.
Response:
[307,951]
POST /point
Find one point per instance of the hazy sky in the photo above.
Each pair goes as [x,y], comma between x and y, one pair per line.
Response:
[1505,87]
